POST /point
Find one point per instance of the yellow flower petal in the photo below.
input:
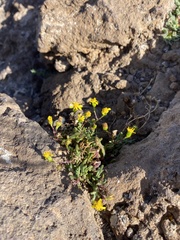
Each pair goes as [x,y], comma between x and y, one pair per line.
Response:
[58,125]
[94,102]
[48,156]
[50,120]
[105,111]
[87,114]
[81,118]
[98,205]
[130,132]
[76,106]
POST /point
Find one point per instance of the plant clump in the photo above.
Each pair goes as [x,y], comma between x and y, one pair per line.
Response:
[171,31]
[86,149]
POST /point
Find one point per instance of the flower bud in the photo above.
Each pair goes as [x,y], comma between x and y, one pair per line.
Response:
[105,126]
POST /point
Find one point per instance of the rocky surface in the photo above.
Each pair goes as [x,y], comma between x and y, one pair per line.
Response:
[131,91]
[133,78]
[36,202]
[145,183]
[97,49]
[18,52]
[91,33]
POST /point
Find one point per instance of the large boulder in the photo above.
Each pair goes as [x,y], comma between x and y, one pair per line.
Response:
[145,183]
[36,202]
[88,33]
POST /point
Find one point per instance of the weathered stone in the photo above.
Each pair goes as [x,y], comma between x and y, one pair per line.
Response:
[65,88]
[170,229]
[122,84]
[92,32]
[145,180]
[18,52]
[36,201]
[174,86]
[160,89]
[61,65]
[173,55]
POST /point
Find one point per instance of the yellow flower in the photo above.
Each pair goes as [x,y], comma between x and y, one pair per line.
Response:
[76,106]
[105,126]
[81,118]
[87,114]
[57,124]
[98,205]
[94,102]
[130,132]
[105,111]
[48,156]
[50,120]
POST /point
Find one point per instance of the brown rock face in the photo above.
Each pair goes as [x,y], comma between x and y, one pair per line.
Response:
[145,183]
[36,202]
[86,32]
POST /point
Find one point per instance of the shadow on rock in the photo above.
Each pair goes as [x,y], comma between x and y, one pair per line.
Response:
[19,54]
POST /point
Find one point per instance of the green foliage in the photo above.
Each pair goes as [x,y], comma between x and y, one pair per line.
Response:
[171,31]
[86,149]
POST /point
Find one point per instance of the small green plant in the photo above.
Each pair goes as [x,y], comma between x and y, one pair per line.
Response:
[171,31]
[86,149]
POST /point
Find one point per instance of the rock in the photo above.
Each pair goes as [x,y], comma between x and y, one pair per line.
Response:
[174,86]
[18,52]
[119,223]
[170,229]
[104,66]
[61,65]
[65,88]
[122,84]
[172,78]
[93,32]
[145,181]
[36,201]
[160,89]
[172,55]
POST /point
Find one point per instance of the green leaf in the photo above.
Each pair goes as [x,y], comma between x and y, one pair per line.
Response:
[100,171]
[78,171]
[99,144]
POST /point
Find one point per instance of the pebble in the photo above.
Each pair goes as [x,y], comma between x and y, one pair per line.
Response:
[172,78]
[169,229]
[174,86]
[113,221]
[129,232]
[122,84]
[143,206]
[61,65]
[166,49]
[165,64]
[142,79]
[130,78]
